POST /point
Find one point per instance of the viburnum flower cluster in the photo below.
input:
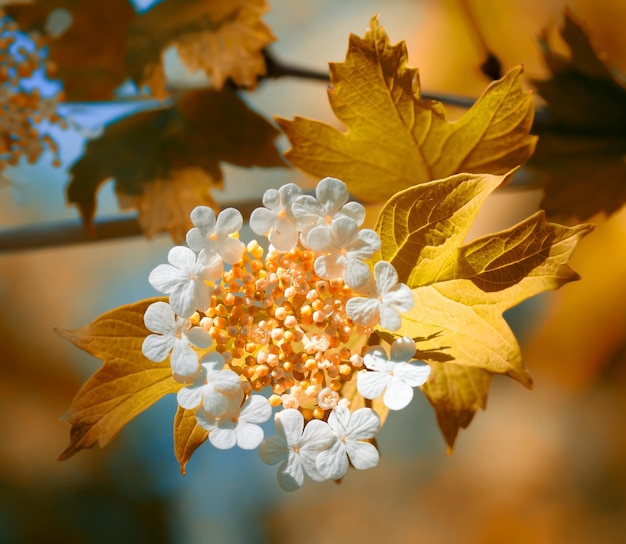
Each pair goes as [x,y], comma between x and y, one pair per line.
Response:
[299,323]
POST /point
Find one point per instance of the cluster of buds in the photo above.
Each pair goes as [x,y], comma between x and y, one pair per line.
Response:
[23,108]
[299,322]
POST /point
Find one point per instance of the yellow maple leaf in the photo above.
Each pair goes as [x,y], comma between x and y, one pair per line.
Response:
[460,291]
[394,138]
[225,39]
[126,384]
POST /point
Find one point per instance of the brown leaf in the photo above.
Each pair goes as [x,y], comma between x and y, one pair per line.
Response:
[165,161]
[188,436]
[89,55]
[225,39]
[125,385]
[580,158]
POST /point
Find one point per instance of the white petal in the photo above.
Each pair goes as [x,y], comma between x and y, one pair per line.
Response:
[400,297]
[364,424]
[308,461]
[223,439]
[331,193]
[189,397]
[369,243]
[356,273]
[159,317]
[289,423]
[345,231]
[226,381]
[317,436]
[213,401]
[206,421]
[402,350]
[212,362]
[362,455]
[412,374]
[203,217]
[371,384]
[307,210]
[228,222]
[256,409]
[332,463]
[186,298]
[363,311]
[386,276]
[389,318]
[262,220]
[273,450]
[320,238]
[231,249]
[355,211]
[288,194]
[338,420]
[290,474]
[199,337]
[284,236]
[271,200]
[166,278]
[376,358]
[249,436]
[156,347]
[328,267]
[196,239]
[398,394]
[181,257]
[184,360]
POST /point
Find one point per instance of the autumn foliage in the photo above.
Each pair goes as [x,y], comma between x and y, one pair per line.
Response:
[393,148]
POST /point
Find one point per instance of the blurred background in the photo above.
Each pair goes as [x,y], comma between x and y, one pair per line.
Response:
[542,466]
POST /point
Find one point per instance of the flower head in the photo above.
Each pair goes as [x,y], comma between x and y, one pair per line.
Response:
[395,376]
[386,301]
[277,217]
[211,387]
[213,236]
[238,424]
[185,280]
[350,429]
[297,447]
[174,334]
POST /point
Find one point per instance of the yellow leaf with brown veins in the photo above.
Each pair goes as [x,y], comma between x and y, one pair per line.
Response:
[188,436]
[394,139]
[125,385]
[225,39]
[461,290]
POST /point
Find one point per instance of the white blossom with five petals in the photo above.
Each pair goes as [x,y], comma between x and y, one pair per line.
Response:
[238,425]
[350,429]
[330,202]
[346,248]
[213,235]
[185,280]
[277,217]
[385,302]
[393,376]
[297,447]
[173,334]
[211,387]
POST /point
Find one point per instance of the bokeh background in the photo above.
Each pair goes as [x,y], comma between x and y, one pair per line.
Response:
[543,466]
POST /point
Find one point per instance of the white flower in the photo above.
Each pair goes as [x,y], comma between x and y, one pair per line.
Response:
[212,235]
[174,334]
[184,280]
[238,424]
[386,300]
[211,387]
[331,202]
[277,217]
[297,449]
[395,376]
[327,399]
[347,247]
[349,429]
